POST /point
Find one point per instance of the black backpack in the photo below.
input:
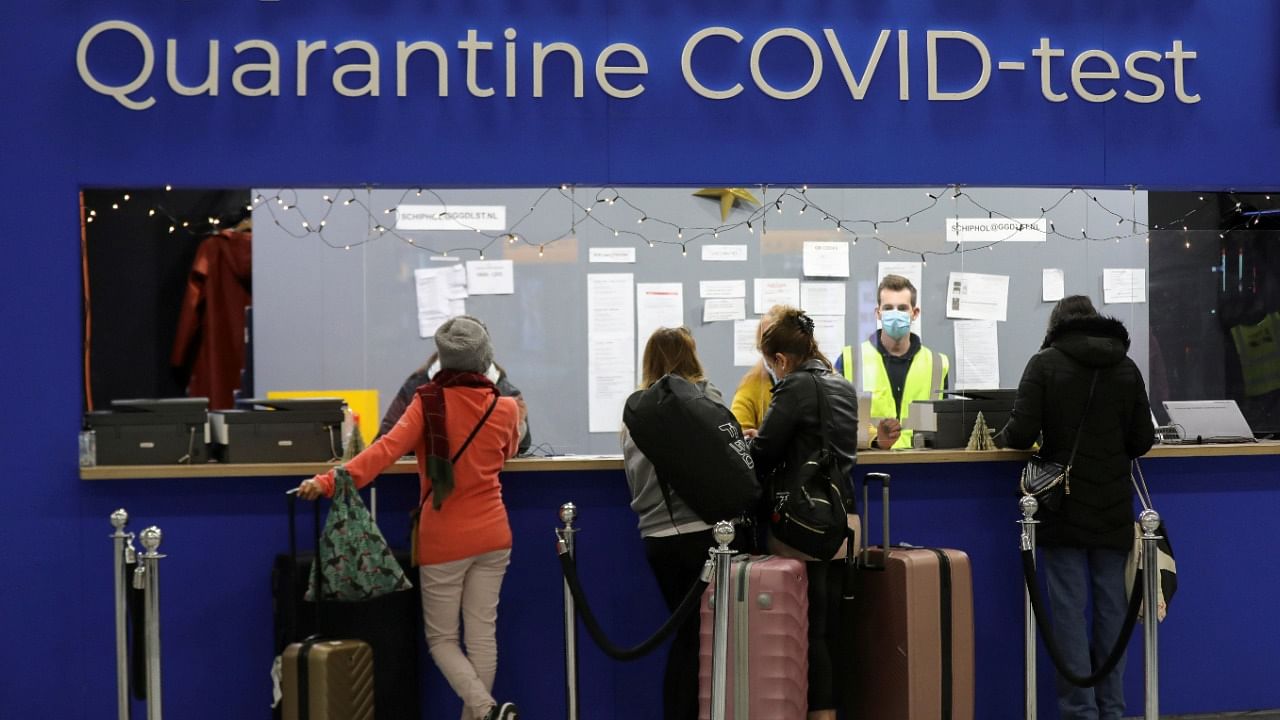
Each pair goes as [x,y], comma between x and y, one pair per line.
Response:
[696,447]
[806,504]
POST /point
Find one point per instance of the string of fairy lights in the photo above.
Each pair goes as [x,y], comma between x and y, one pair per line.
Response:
[600,209]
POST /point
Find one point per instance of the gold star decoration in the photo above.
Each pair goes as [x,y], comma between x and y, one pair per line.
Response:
[728,198]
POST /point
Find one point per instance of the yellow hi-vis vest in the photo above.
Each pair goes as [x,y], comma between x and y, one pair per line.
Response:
[925,380]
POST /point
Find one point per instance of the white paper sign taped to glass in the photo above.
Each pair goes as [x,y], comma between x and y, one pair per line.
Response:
[826,259]
[491,277]
[611,255]
[993,230]
[441,294]
[974,296]
[451,217]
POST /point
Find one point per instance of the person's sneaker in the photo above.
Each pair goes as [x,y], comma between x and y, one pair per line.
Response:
[505,711]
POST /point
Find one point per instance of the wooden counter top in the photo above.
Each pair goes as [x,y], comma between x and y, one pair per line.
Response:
[614,462]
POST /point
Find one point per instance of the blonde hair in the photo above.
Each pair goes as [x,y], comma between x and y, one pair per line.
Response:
[671,351]
[757,371]
[791,334]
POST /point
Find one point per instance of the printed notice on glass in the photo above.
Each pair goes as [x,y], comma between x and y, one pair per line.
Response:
[611,341]
[977,355]
[718,309]
[1124,285]
[826,259]
[974,296]
[1053,284]
[611,255]
[828,330]
[490,277]
[745,353]
[658,305]
[776,291]
[451,217]
[993,230]
[822,298]
[722,289]
[724,253]
[441,294]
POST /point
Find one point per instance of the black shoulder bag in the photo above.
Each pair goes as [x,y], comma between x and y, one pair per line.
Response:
[807,510]
[1049,481]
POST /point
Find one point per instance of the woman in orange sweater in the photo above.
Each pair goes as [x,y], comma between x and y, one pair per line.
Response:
[462,433]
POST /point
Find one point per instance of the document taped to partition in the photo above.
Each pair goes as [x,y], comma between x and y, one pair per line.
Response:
[974,296]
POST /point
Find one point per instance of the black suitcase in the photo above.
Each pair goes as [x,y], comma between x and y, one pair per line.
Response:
[390,624]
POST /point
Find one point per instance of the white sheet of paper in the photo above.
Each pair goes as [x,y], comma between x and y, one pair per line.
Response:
[828,330]
[974,296]
[745,353]
[491,277]
[658,305]
[722,289]
[775,291]
[1124,285]
[829,258]
[822,298]
[611,255]
[456,278]
[611,372]
[724,253]
[432,288]
[1053,284]
[977,354]
[716,309]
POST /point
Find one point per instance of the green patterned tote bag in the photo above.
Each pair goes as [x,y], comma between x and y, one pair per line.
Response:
[354,560]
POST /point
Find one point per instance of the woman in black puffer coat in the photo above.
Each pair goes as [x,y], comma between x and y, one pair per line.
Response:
[1086,542]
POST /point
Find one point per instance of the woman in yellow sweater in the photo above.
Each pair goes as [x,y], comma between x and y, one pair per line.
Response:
[755,390]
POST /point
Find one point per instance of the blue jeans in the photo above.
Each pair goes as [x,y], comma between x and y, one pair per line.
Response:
[1070,574]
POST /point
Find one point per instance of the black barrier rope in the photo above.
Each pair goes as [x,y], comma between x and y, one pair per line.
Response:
[687,605]
[1050,643]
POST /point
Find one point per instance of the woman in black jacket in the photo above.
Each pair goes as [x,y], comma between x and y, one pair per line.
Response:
[1085,543]
[789,435]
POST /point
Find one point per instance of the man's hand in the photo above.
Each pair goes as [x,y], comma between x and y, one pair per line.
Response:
[887,433]
[750,433]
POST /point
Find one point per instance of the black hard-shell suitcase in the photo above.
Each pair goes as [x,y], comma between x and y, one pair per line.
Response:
[391,625]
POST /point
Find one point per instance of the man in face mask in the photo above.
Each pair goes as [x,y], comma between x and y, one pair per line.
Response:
[896,368]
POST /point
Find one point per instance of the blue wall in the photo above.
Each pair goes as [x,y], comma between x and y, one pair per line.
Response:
[60,136]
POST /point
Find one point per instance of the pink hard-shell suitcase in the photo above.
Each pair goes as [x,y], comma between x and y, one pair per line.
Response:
[768,656]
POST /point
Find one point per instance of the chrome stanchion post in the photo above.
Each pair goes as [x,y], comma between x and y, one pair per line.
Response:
[150,539]
[1029,505]
[723,556]
[123,552]
[1150,522]
[569,513]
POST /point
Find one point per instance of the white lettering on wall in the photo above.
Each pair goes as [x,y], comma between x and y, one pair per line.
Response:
[686,62]
[120,92]
[931,43]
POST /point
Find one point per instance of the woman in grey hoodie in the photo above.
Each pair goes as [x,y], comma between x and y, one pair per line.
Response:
[675,539]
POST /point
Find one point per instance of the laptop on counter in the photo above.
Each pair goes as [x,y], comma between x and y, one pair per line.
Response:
[1207,421]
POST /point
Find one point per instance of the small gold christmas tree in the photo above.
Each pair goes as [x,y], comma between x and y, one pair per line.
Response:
[982,437]
[356,442]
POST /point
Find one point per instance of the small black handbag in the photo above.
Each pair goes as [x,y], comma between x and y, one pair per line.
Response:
[1050,481]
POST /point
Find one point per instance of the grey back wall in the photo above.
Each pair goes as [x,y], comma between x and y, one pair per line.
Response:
[326,317]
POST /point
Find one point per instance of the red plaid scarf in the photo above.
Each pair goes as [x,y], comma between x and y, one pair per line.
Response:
[435,430]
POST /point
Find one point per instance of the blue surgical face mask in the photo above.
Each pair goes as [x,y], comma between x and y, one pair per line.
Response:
[897,323]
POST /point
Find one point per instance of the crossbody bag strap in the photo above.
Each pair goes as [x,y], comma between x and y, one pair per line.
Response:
[454,460]
[1080,430]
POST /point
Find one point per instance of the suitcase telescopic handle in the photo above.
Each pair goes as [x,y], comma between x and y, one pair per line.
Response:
[883,479]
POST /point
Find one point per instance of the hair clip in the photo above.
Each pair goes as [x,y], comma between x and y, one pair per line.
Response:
[806,323]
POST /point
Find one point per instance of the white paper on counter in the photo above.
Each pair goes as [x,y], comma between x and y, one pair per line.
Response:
[611,340]
[974,296]
[611,255]
[828,258]
[433,288]
[1053,284]
[724,253]
[1124,285]
[977,355]
[722,289]
[658,305]
[828,330]
[745,353]
[822,298]
[776,291]
[717,309]
[491,277]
